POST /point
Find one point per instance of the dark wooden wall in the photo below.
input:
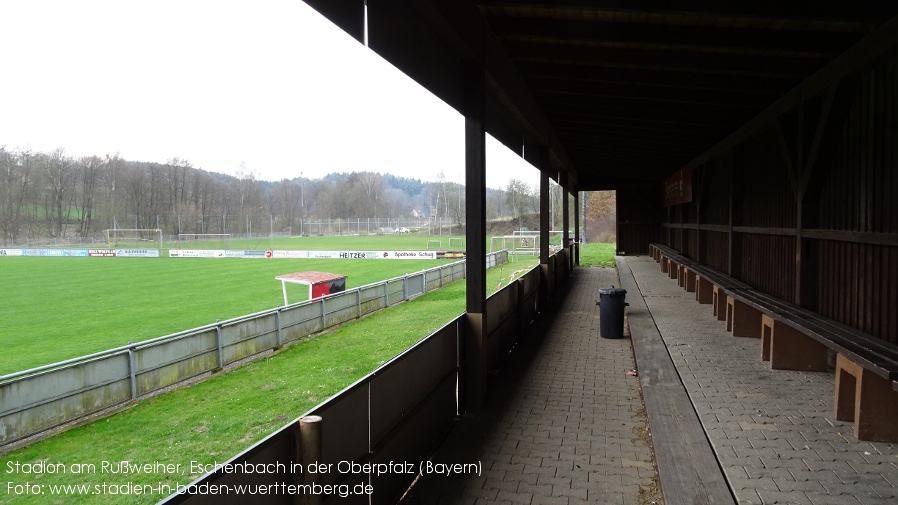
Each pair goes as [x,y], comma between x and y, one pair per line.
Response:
[638,219]
[857,247]
[806,207]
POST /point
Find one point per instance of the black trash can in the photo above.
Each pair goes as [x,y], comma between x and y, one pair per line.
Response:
[611,312]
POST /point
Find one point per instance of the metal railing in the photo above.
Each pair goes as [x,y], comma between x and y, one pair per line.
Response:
[39,399]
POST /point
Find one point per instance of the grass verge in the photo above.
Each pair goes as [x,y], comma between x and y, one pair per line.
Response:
[597,255]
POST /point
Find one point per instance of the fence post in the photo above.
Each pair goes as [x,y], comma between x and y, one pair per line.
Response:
[386,295]
[277,315]
[405,287]
[358,302]
[131,371]
[220,347]
[323,315]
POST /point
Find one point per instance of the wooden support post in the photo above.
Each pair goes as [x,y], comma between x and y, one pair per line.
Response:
[867,399]
[544,269]
[743,320]
[690,280]
[576,227]
[565,220]
[473,393]
[789,349]
[703,290]
[734,253]
[719,303]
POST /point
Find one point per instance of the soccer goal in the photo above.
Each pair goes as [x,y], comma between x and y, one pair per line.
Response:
[134,237]
[516,244]
[456,244]
[204,241]
[437,245]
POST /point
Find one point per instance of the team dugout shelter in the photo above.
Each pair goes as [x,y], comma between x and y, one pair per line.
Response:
[320,283]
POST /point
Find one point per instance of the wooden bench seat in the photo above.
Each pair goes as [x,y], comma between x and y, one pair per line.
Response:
[710,286]
[793,338]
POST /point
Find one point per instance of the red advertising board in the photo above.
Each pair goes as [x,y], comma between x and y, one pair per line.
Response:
[677,188]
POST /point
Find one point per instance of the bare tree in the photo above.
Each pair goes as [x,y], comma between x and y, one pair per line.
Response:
[288,196]
[207,198]
[456,197]
[518,197]
[601,216]
[89,168]
[111,194]
[41,194]
[59,173]
[327,202]
[176,181]
[15,177]
[372,186]
[248,195]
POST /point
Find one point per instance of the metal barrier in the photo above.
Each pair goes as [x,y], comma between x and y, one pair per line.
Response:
[43,398]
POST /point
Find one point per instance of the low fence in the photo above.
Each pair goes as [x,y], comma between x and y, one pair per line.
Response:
[381,429]
[43,398]
[245,227]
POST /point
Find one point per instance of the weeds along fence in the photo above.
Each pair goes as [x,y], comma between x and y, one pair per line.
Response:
[395,415]
[36,400]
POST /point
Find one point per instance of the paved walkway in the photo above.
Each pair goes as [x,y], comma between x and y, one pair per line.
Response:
[773,431]
[564,424]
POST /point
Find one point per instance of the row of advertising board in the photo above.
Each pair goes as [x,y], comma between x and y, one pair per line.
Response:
[248,254]
[400,255]
[83,253]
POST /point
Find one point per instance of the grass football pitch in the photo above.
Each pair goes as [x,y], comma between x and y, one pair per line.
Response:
[55,309]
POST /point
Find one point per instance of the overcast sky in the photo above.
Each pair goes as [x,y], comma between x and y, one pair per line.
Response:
[269,83]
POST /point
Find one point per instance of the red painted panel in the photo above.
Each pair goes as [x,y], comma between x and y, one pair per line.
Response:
[319,290]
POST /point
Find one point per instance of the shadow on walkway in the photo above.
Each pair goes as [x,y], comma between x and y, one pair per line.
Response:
[563,424]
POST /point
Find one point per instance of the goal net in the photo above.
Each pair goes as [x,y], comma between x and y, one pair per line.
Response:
[516,244]
[134,237]
[204,241]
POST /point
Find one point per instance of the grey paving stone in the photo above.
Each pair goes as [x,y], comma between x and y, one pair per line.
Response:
[550,500]
[568,416]
[788,498]
[784,417]
[567,412]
